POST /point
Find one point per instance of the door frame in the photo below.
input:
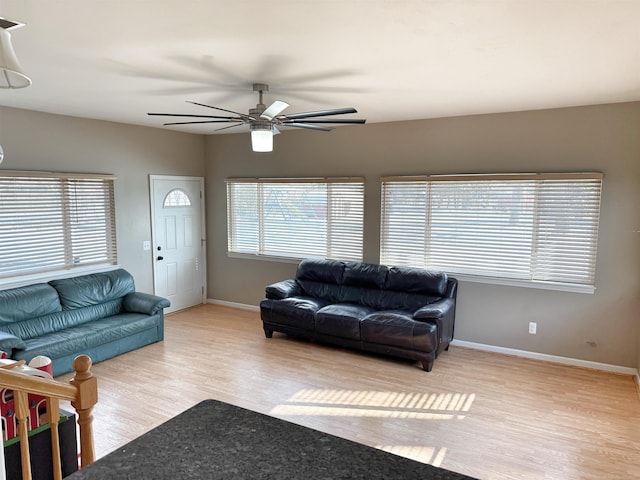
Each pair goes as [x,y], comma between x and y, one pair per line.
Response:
[203,240]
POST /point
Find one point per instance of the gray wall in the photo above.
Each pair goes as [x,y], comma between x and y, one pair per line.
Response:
[603,138]
[603,327]
[45,142]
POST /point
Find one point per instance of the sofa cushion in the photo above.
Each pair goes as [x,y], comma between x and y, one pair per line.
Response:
[295,311]
[32,301]
[86,290]
[341,320]
[321,270]
[36,327]
[415,280]
[405,301]
[86,336]
[321,279]
[397,328]
[328,292]
[365,275]
[369,297]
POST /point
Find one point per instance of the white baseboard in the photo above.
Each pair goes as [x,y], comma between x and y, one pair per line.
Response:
[242,306]
[548,358]
[492,348]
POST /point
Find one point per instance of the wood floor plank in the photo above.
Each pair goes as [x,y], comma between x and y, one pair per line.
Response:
[483,414]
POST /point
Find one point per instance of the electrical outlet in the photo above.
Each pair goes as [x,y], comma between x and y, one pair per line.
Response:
[533,327]
[146,245]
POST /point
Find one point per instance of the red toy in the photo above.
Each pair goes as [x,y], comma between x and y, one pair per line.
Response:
[37,404]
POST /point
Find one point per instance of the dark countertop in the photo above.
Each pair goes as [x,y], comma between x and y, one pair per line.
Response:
[216,440]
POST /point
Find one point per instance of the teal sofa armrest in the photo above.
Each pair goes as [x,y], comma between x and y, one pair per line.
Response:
[144,303]
[8,342]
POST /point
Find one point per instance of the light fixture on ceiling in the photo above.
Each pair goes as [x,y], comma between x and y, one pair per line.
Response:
[261,136]
[11,74]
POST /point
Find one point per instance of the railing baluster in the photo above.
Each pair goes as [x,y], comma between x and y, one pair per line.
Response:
[53,411]
[87,386]
[21,404]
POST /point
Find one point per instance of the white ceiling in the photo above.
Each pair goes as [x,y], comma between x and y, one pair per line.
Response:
[391,59]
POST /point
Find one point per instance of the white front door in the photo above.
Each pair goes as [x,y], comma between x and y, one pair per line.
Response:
[179,263]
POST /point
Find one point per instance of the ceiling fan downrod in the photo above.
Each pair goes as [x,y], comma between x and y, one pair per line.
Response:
[260,107]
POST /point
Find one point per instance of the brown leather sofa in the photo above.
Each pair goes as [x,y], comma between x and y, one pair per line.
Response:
[398,311]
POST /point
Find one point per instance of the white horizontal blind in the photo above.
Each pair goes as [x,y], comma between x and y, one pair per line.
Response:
[296,218]
[538,228]
[55,221]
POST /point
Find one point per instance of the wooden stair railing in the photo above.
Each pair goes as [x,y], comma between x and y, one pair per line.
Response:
[81,391]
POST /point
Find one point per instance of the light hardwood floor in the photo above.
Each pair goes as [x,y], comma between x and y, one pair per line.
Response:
[486,415]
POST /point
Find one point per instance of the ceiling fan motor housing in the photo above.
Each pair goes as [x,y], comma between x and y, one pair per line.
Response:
[261,125]
[256,112]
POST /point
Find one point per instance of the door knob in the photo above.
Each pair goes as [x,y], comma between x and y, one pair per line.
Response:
[160,258]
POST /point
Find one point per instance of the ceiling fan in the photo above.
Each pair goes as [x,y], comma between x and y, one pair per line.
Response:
[264,121]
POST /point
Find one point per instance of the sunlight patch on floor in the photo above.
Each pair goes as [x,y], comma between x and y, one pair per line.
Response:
[431,455]
[381,404]
[311,410]
[420,401]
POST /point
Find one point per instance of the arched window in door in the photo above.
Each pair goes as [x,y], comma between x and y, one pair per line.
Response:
[176,198]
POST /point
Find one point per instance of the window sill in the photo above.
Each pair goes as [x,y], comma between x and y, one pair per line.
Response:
[44,277]
[266,258]
[509,282]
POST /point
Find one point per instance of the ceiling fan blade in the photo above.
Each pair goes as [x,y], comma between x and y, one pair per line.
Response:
[200,121]
[321,113]
[333,120]
[218,108]
[307,125]
[274,109]
[230,126]
[191,116]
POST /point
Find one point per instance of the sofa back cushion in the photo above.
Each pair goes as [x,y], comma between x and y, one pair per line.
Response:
[376,286]
[416,280]
[320,270]
[321,278]
[406,301]
[94,289]
[17,304]
[365,275]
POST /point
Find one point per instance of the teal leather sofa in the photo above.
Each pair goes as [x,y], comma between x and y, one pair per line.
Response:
[100,315]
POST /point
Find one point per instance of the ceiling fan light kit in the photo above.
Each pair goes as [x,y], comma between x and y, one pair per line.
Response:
[264,121]
[261,136]
[11,74]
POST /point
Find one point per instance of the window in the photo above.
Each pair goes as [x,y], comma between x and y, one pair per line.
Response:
[52,221]
[176,198]
[296,218]
[523,229]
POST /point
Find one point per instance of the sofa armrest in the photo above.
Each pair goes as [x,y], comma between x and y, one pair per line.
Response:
[443,314]
[144,303]
[9,342]
[283,289]
[434,311]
